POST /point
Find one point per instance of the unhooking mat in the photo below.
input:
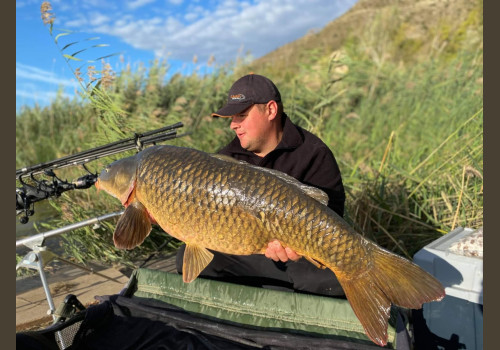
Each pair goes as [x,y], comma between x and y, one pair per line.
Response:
[157,310]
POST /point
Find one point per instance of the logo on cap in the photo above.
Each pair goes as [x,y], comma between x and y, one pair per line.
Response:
[237,97]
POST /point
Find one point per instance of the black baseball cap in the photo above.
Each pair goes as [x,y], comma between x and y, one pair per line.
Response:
[247,91]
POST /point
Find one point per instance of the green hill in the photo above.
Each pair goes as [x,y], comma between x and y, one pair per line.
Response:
[409,30]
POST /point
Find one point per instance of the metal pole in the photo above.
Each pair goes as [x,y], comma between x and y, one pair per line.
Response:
[45,284]
[58,231]
[34,259]
[48,295]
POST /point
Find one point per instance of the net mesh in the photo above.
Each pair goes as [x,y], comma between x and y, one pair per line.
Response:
[64,338]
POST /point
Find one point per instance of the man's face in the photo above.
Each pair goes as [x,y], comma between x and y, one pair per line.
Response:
[252,127]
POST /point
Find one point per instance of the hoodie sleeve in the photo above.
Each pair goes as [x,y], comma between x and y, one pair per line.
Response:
[323,172]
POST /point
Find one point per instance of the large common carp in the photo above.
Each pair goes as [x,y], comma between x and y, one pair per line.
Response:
[216,202]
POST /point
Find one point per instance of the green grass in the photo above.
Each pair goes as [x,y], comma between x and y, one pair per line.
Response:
[407,133]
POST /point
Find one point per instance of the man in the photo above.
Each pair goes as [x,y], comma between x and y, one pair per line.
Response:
[266,137]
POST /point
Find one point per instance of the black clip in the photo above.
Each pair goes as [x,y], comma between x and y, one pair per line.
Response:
[138,143]
[68,308]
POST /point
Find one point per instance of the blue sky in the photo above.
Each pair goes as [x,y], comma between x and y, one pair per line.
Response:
[142,30]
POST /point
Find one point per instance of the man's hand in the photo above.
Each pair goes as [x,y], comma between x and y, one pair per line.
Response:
[276,252]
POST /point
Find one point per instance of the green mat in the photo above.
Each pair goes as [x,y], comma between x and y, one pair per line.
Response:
[254,307]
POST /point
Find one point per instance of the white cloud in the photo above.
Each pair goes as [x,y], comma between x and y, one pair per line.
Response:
[31,73]
[98,19]
[36,85]
[79,22]
[258,26]
[20,4]
[39,95]
[194,12]
[190,16]
[135,4]
[29,93]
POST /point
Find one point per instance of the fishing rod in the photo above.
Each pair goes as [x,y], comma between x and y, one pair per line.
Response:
[115,147]
[40,189]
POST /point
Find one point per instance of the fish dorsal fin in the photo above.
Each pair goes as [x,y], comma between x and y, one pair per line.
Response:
[227,158]
[311,191]
[133,227]
[196,258]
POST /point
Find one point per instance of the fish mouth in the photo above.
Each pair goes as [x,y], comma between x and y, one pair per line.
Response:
[97,185]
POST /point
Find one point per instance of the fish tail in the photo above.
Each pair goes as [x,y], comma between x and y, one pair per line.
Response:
[390,279]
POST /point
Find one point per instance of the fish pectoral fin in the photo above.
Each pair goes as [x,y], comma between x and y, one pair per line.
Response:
[196,258]
[128,195]
[315,262]
[133,227]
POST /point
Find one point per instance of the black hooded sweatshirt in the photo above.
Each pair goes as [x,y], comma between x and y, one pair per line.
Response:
[302,155]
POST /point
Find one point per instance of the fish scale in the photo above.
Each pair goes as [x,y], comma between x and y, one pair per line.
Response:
[217,203]
[223,211]
[264,196]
